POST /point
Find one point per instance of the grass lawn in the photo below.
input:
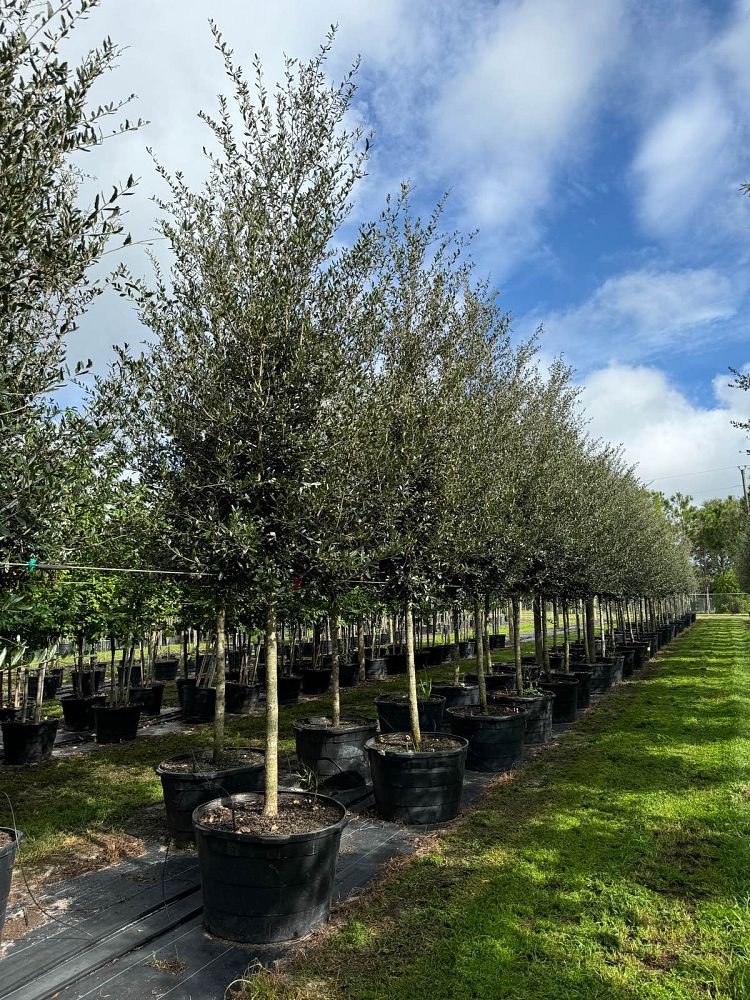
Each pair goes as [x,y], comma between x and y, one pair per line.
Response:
[616,865]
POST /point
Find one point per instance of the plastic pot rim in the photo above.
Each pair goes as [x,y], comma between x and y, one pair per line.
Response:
[375,746]
[201,776]
[268,838]
[361,723]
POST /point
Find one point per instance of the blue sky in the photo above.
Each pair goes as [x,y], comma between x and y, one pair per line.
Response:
[597,146]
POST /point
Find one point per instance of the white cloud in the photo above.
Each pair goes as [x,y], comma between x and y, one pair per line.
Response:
[677,444]
[640,314]
[681,165]
[691,154]
[519,106]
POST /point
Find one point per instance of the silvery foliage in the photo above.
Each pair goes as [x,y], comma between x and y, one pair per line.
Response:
[237,417]
[49,242]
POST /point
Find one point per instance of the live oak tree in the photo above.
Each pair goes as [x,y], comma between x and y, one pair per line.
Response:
[49,241]
[232,418]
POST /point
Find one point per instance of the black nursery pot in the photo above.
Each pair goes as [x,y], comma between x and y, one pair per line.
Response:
[288,689]
[7,858]
[198,703]
[393,713]
[240,699]
[495,741]
[266,888]
[184,791]
[467,649]
[628,662]
[604,675]
[182,684]
[335,754]
[495,682]
[315,681]
[420,787]
[149,698]
[497,641]
[136,675]
[86,685]
[376,669]
[565,689]
[29,742]
[78,713]
[348,674]
[538,709]
[396,663]
[457,694]
[584,686]
[51,684]
[166,670]
[8,713]
[116,725]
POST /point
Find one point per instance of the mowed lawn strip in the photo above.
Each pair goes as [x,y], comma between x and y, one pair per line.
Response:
[616,865]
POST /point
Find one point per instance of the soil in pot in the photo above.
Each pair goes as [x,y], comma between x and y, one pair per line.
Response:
[116,725]
[315,681]
[78,713]
[495,738]
[565,689]
[336,754]
[29,742]
[9,841]
[189,780]
[241,699]
[457,694]
[538,709]
[393,713]
[149,698]
[198,703]
[422,787]
[267,880]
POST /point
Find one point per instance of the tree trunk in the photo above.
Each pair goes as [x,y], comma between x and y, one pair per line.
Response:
[554,623]
[601,628]
[590,633]
[479,633]
[335,689]
[566,637]
[545,649]
[361,672]
[516,613]
[411,672]
[538,652]
[271,804]
[486,635]
[511,626]
[221,681]
[456,646]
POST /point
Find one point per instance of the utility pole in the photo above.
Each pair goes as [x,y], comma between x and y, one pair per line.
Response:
[744,488]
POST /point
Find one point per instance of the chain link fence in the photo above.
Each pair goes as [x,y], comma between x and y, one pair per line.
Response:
[720,604]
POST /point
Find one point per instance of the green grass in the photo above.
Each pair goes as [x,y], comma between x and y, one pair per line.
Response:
[616,865]
[86,798]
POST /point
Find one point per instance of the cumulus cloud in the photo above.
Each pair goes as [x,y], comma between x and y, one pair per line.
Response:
[690,156]
[677,445]
[519,107]
[643,313]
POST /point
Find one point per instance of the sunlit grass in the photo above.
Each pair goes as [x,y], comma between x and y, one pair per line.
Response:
[616,866]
